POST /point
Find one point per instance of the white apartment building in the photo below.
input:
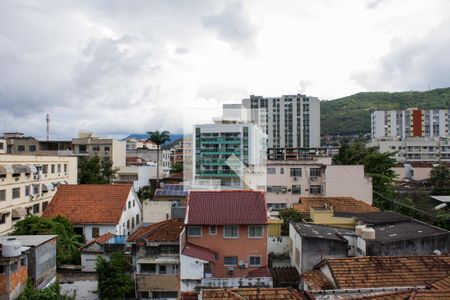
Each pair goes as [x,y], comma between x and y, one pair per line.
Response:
[90,145]
[288,180]
[290,121]
[412,122]
[244,144]
[414,149]
[28,183]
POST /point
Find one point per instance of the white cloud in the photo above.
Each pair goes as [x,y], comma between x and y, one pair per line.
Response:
[115,67]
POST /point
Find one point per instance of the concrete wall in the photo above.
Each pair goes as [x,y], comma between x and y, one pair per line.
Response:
[419,246]
[348,181]
[87,230]
[119,153]
[42,265]
[148,282]
[156,211]
[420,173]
[278,245]
[88,262]
[314,250]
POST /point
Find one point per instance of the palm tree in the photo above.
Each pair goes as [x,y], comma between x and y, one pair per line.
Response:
[158,138]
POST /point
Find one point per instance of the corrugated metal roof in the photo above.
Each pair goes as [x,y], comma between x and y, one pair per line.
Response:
[29,240]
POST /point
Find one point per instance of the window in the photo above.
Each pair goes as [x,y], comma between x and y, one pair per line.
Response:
[134,203]
[82,148]
[2,146]
[36,209]
[128,224]
[145,294]
[296,172]
[21,148]
[32,148]
[281,170]
[95,148]
[314,172]
[148,268]
[255,231]
[315,189]
[164,295]
[137,219]
[44,169]
[296,190]
[27,190]
[132,223]
[129,204]
[230,260]
[255,261]
[106,149]
[231,232]
[271,171]
[35,189]
[65,168]
[2,195]
[59,168]
[162,270]
[44,205]
[95,232]
[15,193]
[3,220]
[213,230]
[194,231]
[53,169]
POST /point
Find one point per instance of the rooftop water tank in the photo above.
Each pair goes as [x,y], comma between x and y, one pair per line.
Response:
[11,248]
[359,229]
[368,233]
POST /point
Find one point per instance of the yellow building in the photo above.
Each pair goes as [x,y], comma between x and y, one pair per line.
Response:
[274,226]
[325,216]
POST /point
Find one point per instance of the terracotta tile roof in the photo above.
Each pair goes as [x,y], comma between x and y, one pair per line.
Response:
[387,271]
[251,294]
[165,231]
[339,204]
[410,295]
[260,272]
[101,240]
[316,280]
[189,296]
[442,284]
[226,208]
[199,252]
[89,203]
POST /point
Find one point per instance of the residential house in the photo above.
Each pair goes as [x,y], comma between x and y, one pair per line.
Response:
[88,144]
[251,293]
[28,183]
[95,209]
[370,276]
[139,176]
[377,234]
[103,245]
[156,259]
[288,180]
[224,243]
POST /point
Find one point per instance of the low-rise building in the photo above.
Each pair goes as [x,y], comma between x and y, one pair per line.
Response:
[103,245]
[361,277]
[156,259]
[95,209]
[225,240]
[337,204]
[28,183]
[139,176]
[88,144]
[289,180]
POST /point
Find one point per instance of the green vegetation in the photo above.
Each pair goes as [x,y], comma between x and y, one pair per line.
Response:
[95,170]
[351,115]
[440,180]
[68,241]
[114,282]
[52,292]
[145,193]
[288,215]
[158,138]
[177,167]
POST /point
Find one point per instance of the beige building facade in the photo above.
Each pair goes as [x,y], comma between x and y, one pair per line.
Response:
[288,180]
[28,183]
[90,145]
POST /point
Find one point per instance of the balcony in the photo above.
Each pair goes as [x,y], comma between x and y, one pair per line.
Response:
[235,276]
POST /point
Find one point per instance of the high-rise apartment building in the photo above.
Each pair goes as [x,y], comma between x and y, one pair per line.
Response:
[216,143]
[290,121]
[412,122]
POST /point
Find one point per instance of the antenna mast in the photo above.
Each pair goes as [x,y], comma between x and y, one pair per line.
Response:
[48,127]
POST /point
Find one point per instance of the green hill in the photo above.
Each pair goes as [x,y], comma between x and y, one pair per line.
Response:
[351,115]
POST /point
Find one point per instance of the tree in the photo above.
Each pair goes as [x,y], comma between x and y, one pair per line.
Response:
[439,180]
[114,282]
[288,215]
[177,167]
[52,292]
[158,138]
[145,192]
[68,241]
[94,170]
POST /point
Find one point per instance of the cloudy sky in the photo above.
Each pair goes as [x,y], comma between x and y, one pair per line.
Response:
[116,67]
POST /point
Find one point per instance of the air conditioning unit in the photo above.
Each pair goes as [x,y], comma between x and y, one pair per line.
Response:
[243,265]
[230,270]
[295,178]
[284,191]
